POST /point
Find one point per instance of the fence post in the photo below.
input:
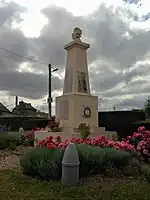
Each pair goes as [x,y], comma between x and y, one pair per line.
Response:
[70,166]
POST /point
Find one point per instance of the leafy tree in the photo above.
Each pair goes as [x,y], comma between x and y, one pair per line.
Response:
[147,107]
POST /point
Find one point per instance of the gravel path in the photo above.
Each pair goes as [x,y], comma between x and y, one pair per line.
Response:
[9,159]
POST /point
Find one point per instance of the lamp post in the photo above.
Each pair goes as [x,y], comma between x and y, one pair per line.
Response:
[50,91]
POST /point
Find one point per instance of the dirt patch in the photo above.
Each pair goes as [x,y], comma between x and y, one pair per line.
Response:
[9,159]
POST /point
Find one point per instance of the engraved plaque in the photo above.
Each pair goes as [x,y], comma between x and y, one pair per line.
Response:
[64,109]
[82,82]
[68,80]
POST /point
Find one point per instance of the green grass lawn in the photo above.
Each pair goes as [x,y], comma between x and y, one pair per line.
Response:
[15,186]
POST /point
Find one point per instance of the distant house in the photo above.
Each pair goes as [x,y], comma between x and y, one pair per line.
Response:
[42,114]
[5,113]
[26,110]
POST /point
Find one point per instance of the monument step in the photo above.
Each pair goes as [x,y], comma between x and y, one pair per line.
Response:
[39,135]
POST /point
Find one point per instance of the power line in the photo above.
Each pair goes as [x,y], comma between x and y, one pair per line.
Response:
[28,58]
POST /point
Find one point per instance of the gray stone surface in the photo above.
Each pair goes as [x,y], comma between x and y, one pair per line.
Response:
[70,166]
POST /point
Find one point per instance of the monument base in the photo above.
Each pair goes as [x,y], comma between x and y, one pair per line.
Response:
[70,110]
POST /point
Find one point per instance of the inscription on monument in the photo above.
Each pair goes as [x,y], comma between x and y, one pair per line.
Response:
[82,82]
[64,109]
[68,80]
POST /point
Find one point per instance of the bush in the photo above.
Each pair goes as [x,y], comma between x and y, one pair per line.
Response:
[3,144]
[146,172]
[8,140]
[43,163]
[95,160]
[28,138]
[54,125]
[141,142]
[91,159]
[46,163]
[84,130]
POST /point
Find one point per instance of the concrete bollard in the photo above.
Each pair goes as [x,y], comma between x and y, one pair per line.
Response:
[70,166]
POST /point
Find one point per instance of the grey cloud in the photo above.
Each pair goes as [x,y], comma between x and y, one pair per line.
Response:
[134,102]
[111,45]
[134,86]
[139,70]
[55,35]
[11,38]
[105,78]
[10,12]
[33,86]
[23,84]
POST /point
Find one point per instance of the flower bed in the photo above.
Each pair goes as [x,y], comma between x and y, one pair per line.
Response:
[138,142]
[100,141]
[97,155]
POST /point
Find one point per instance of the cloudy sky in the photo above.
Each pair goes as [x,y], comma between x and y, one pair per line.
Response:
[119,57]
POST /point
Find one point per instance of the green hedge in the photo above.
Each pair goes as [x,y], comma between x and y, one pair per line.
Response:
[43,163]
[46,163]
[95,160]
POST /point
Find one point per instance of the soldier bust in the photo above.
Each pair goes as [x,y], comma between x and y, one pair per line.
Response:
[77,33]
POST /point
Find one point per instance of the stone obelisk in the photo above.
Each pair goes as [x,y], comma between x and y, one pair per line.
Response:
[76,105]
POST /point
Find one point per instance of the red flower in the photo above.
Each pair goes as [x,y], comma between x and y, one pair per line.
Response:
[51,146]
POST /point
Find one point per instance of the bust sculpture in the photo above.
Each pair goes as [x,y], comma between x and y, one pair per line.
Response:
[77,33]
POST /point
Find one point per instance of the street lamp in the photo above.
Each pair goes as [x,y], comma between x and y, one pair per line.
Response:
[50,91]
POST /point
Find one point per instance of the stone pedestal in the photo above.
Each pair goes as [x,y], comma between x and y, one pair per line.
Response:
[70,111]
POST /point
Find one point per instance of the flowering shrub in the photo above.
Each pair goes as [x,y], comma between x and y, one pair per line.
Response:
[100,141]
[137,136]
[29,137]
[141,142]
[54,125]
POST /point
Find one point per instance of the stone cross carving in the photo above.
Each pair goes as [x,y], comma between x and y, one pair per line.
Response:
[77,33]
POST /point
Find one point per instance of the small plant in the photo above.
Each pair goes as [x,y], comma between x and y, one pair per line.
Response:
[28,138]
[84,130]
[54,125]
[28,143]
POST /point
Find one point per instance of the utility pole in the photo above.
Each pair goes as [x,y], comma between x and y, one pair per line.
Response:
[50,91]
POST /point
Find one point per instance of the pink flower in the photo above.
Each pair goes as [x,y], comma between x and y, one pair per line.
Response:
[139,148]
[141,129]
[129,137]
[51,146]
[145,152]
